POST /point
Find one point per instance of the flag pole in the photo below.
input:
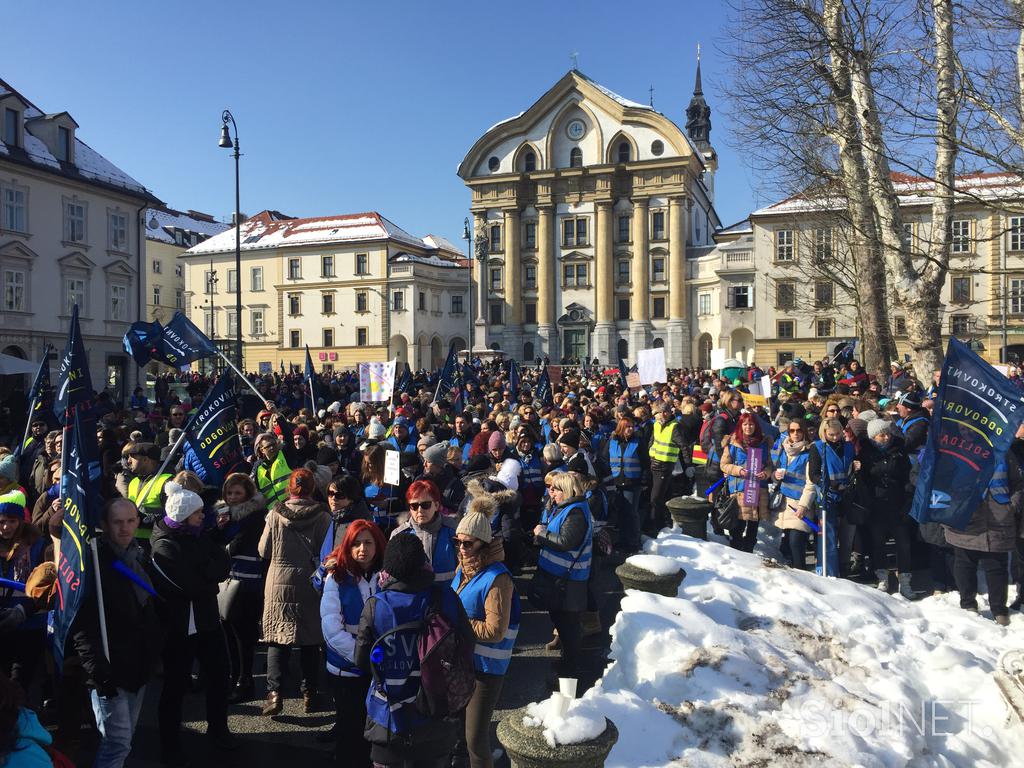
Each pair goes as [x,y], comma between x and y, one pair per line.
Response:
[170,454]
[242,376]
[99,596]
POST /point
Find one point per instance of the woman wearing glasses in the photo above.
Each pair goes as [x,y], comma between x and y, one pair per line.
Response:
[434,530]
[790,458]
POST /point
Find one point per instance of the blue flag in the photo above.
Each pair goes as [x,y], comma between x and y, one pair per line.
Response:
[79,498]
[212,447]
[513,381]
[311,385]
[448,375]
[144,341]
[976,413]
[623,370]
[543,389]
[845,353]
[183,343]
[74,384]
[40,387]
[404,385]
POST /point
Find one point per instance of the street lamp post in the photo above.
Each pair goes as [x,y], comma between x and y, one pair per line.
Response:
[469,286]
[226,142]
[211,289]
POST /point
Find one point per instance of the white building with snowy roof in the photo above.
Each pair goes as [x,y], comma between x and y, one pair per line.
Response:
[353,287]
[71,231]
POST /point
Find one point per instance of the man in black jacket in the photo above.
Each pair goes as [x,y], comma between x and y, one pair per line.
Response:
[118,679]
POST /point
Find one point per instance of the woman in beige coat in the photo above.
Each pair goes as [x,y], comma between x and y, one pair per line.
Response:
[291,607]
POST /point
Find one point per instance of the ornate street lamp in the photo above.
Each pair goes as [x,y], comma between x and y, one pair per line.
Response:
[226,143]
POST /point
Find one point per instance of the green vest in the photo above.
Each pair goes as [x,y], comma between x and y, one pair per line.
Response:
[274,484]
[149,507]
[662,447]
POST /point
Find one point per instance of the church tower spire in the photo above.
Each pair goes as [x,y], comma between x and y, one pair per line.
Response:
[698,114]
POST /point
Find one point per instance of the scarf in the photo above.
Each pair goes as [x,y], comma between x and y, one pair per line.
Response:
[176,526]
[132,556]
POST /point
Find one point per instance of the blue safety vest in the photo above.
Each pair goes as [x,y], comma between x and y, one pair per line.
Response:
[835,468]
[351,610]
[444,559]
[409,447]
[739,456]
[531,475]
[999,485]
[489,658]
[905,425]
[624,461]
[575,564]
[792,486]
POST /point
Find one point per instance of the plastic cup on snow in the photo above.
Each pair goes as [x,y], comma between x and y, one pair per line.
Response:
[567,687]
[559,704]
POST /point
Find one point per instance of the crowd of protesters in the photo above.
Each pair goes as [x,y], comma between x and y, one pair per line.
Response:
[309,545]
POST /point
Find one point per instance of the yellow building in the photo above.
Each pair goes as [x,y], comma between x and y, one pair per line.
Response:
[584,208]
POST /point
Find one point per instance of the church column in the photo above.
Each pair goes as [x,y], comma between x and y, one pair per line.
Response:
[603,346]
[677,352]
[546,285]
[640,326]
[512,338]
[482,249]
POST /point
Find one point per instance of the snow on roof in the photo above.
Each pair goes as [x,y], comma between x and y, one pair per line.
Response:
[442,244]
[911,190]
[614,96]
[433,260]
[271,229]
[168,219]
[739,226]
[89,164]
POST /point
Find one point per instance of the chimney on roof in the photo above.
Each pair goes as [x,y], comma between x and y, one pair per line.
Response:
[241,219]
[200,216]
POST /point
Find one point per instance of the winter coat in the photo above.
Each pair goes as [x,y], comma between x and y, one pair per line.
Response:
[134,632]
[187,570]
[788,518]
[332,619]
[729,469]
[30,747]
[993,527]
[291,542]
[568,538]
[479,484]
[498,603]
[883,480]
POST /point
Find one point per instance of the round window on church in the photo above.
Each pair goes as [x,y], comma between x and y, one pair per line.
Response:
[493,164]
[657,147]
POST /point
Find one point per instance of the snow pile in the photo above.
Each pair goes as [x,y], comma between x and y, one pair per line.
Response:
[581,722]
[656,564]
[756,665]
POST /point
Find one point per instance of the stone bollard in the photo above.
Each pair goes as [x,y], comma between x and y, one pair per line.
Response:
[691,515]
[651,573]
[527,747]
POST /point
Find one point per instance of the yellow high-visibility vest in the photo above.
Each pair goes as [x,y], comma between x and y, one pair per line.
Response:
[662,447]
[274,484]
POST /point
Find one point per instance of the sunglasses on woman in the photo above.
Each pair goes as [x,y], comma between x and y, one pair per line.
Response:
[414,505]
[796,431]
[463,543]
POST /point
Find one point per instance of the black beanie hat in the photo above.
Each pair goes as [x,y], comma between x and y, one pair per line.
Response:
[572,439]
[326,455]
[404,557]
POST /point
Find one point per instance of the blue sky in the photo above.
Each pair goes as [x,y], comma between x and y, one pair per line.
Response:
[345,107]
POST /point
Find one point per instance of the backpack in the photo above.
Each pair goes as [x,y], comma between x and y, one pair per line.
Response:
[447,675]
[704,438]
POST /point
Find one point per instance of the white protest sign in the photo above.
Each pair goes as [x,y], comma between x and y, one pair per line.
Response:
[376,382]
[650,364]
[765,385]
[392,467]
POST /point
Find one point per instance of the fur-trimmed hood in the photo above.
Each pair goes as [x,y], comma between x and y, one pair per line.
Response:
[476,489]
[294,509]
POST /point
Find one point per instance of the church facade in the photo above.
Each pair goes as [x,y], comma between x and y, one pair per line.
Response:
[585,208]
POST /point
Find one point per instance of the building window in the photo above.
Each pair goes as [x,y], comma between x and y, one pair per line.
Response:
[328,337]
[158,268]
[961,289]
[398,301]
[294,304]
[294,269]
[118,302]
[14,290]
[1016,233]
[497,318]
[74,293]
[574,232]
[327,299]
[1016,296]
[327,266]
[362,337]
[11,127]
[899,326]
[622,309]
[362,301]
[530,276]
[824,291]
[658,225]
[529,162]
[232,324]
[575,158]
[623,235]
[960,325]
[118,231]
[495,273]
[256,322]
[208,322]
[622,152]
[622,272]
[295,339]
[495,238]
[823,328]
[362,264]
[179,271]
[156,294]
[784,245]
[74,222]
[658,269]
[232,280]
[574,276]
[422,302]
[960,236]
[908,235]
[822,246]
[179,299]
[785,295]
[658,309]
[15,209]
[256,278]
[63,144]
[704,303]
[657,147]
[740,297]
[783,356]
[785,329]
[457,304]
[527,350]
[529,313]
[530,234]
[210,279]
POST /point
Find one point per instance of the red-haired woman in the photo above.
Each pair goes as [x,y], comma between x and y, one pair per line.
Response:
[291,605]
[748,439]
[354,566]
[434,530]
